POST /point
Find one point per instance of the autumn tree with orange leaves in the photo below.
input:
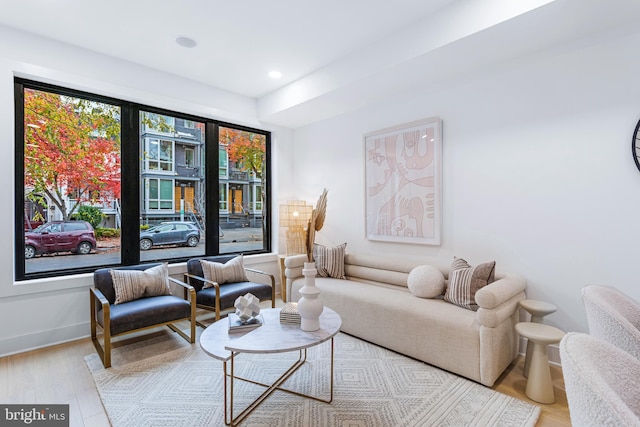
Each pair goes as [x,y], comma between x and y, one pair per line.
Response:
[71,151]
[247,150]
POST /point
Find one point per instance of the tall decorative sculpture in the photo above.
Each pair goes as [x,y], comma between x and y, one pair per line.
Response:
[309,306]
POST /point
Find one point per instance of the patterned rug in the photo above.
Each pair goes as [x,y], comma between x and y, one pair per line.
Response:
[372,387]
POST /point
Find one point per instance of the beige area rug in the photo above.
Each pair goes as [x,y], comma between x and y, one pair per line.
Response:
[165,381]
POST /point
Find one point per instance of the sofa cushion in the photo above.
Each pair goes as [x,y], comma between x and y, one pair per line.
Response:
[130,285]
[329,260]
[465,281]
[230,272]
[426,281]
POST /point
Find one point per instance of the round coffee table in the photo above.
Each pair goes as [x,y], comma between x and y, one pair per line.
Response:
[271,337]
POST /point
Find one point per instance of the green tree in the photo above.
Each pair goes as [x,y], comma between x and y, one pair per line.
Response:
[91,214]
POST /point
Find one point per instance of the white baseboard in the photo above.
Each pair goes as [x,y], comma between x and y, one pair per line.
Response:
[42,339]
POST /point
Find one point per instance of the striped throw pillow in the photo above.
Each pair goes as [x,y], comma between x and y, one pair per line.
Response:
[465,281]
[230,272]
[329,260]
[133,284]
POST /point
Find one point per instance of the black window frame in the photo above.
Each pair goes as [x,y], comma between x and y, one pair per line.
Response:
[130,179]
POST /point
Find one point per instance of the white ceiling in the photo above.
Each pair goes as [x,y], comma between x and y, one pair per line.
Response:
[334,55]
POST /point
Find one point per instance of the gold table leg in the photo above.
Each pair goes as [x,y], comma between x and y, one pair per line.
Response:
[230,420]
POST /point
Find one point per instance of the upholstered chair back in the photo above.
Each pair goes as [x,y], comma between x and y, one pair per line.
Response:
[103,282]
[194,267]
[601,382]
[613,317]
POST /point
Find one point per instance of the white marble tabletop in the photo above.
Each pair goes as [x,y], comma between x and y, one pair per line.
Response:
[271,337]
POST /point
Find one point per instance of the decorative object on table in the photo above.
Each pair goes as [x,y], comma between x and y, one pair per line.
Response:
[295,216]
[237,325]
[247,307]
[289,314]
[247,315]
[309,306]
[403,176]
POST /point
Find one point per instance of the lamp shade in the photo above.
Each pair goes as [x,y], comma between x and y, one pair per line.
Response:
[295,216]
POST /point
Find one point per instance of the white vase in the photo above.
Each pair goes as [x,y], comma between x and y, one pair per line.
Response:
[309,306]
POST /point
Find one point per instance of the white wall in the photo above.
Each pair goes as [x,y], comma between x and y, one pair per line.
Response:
[538,173]
[42,312]
[537,170]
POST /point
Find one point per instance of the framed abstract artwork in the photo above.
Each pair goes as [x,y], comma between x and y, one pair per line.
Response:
[403,168]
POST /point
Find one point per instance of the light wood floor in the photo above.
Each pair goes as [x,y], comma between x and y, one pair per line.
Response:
[58,374]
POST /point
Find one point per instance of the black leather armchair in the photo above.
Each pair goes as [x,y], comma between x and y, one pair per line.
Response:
[142,313]
[222,296]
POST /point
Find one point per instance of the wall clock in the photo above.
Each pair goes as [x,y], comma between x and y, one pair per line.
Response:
[635,146]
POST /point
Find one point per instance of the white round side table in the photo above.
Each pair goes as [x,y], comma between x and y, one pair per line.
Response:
[539,384]
[537,309]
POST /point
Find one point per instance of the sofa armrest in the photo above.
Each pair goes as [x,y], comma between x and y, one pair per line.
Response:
[293,266]
[491,318]
[500,291]
[295,261]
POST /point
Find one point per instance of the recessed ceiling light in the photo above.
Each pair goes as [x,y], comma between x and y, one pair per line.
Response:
[275,74]
[186,42]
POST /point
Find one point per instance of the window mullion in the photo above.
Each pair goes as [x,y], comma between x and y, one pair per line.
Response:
[130,149]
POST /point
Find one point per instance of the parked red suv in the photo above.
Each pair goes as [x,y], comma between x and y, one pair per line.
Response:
[60,236]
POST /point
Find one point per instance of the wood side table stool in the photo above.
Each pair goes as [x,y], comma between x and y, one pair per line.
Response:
[539,384]
[537,309]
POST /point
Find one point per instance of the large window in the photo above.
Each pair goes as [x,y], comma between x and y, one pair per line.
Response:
[94,190]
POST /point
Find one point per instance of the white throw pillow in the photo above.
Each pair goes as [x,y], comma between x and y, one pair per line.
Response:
[230,272]
[426,281]
[133,284]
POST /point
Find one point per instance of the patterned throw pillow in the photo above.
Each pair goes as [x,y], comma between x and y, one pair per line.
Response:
[329,260]
[229,272]
[133,284]
[465,281]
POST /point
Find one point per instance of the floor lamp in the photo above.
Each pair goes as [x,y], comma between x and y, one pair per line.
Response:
[294,216]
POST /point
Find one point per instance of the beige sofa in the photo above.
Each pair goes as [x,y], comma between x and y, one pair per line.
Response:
[376,305]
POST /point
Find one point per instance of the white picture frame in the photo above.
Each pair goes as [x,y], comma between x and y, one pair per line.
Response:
[403,183]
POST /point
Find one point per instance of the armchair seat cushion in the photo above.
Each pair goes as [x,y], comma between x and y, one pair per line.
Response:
[145,312]
[230,291]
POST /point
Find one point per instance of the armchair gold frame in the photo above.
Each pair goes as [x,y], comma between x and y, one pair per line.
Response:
[97,298]
[217,309]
